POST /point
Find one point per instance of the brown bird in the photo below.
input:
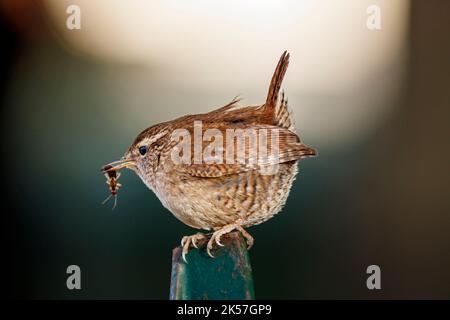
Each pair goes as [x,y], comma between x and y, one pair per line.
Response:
[217,171]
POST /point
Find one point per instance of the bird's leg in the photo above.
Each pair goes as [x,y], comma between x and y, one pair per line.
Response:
[227,229]
[187,241]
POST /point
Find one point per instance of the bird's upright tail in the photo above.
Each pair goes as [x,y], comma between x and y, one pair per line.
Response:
[275,84]
[274,110]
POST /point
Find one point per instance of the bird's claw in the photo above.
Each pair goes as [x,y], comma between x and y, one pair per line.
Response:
[247,236]
[187,241]
[218,242]
[215,238]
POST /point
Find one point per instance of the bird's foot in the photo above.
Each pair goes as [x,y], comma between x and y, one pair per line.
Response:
[215,238]
[187,241]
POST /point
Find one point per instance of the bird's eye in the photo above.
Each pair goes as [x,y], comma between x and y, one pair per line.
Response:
[143,150]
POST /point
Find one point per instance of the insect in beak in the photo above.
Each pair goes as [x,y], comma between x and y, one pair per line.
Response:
[112,176]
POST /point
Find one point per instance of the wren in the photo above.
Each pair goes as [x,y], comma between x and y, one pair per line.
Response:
[209,185]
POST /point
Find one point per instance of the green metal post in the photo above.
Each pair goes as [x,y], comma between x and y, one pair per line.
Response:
[227,276]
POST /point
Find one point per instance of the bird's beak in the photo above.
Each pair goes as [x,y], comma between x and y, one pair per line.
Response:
[119,164]
[307,152]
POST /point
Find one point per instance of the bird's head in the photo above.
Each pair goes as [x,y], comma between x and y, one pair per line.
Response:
[144,154]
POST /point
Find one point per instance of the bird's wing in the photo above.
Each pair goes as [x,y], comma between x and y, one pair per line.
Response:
[247,148]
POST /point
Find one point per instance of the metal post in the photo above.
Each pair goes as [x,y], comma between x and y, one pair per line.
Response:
[227,276]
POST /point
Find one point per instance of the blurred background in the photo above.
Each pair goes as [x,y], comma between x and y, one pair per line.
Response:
[375,103]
